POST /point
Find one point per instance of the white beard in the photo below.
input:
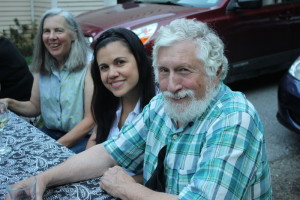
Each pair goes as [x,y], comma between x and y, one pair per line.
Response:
[186,112]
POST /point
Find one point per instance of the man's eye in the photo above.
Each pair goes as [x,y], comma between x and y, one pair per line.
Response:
[163,70]
[184,70]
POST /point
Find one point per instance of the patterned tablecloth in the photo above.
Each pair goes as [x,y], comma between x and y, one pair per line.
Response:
[34,152]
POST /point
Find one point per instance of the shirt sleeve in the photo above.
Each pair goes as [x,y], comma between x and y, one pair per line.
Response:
[230,159]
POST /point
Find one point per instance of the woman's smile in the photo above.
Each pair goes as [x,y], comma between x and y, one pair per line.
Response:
[117,84]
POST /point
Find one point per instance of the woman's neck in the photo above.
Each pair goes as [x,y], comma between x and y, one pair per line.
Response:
[60,62]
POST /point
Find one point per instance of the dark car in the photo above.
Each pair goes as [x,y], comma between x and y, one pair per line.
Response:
[289,98]
[260,36]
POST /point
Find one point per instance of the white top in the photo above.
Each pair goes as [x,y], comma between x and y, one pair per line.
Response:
[115,131]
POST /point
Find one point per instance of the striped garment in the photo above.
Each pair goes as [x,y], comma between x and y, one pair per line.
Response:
[220,155]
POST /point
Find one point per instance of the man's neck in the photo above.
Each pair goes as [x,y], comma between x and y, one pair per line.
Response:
[179,124]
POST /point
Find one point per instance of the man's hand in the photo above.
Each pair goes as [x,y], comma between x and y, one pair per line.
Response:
[40,188]
[5,101]
[115,180]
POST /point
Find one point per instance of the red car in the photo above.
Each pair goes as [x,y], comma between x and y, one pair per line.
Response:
[260,36]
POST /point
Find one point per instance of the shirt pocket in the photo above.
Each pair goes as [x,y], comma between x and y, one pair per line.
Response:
[184,177]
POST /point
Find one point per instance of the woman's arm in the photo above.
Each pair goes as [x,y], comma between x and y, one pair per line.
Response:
[29,108]
[87,123]
[92,141]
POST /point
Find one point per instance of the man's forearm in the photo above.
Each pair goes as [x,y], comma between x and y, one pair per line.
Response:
[89,164]
[118,183]
[135,191]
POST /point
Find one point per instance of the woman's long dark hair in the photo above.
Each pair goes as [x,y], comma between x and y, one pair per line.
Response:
[104,103]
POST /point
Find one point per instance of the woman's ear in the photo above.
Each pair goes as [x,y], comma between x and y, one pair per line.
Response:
[75,35]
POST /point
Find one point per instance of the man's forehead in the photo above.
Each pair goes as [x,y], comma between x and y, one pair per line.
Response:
[178,57]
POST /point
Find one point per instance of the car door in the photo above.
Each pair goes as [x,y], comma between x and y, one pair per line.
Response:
[294,18]
[257,40]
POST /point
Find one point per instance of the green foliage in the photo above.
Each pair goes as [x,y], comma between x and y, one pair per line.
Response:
[23,36]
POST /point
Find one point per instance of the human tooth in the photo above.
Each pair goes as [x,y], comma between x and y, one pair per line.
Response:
[54,45]
[117,83]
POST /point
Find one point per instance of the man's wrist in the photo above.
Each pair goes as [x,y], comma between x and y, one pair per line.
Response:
[132,191]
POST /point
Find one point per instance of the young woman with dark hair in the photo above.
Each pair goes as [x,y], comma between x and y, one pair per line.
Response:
[123,82]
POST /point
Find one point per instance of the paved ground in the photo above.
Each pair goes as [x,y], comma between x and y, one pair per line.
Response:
[286,178]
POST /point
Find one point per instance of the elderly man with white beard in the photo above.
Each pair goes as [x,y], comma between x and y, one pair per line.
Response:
[211,137]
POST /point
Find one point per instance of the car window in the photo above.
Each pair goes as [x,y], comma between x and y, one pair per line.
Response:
[290,1]
[273,2]
[193,3]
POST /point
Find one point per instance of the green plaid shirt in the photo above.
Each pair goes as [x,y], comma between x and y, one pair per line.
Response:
[220,155]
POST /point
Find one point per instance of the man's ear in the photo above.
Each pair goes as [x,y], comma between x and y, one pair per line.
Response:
[218,74]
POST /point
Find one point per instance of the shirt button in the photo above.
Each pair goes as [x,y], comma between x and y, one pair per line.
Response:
[175,137]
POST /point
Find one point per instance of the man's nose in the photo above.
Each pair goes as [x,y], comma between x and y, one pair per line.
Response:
[175,83]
